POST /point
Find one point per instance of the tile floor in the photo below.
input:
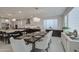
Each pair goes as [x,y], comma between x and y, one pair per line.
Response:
[56,45]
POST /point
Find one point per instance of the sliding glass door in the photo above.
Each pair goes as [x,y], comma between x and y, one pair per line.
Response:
[73,20]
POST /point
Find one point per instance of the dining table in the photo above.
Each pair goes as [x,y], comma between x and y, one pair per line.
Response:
[7,33]
[33,39]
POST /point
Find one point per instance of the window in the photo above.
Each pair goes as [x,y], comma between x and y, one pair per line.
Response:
[51,23]
[66,21]
[73,19]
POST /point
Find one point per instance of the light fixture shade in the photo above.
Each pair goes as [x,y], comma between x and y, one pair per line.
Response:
[13,19]
[36,19]
[19,12]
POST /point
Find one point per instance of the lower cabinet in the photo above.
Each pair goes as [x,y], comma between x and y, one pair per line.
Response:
[69,45]
[65,42]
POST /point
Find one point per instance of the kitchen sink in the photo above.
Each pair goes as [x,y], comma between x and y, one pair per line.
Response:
[74,38]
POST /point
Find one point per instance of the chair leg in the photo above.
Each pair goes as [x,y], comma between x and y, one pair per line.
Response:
[48,45]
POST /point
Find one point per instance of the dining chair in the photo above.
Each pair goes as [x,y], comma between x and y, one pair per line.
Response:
[44,43]
[20,46]
[5,37]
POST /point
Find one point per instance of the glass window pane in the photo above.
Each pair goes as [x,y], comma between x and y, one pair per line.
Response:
[73,19]
[66,22]
[50,23]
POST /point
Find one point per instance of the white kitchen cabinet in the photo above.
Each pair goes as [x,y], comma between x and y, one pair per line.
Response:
[69,44]
[65,41]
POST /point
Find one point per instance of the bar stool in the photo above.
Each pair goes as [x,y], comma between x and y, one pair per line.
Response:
[5,37]
[1,36]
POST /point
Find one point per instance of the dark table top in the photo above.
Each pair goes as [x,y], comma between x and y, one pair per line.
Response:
[33,39]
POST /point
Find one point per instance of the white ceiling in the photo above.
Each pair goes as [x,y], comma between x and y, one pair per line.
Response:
[26,12]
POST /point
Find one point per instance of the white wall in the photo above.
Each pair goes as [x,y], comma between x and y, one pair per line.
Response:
[35,23]
[60,22]
[2,21]
[22,23]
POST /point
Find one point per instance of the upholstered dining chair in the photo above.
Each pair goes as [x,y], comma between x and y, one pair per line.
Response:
[44,43]
[20,46]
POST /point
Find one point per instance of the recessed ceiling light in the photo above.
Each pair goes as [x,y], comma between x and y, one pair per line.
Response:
[6,20]
[19,11]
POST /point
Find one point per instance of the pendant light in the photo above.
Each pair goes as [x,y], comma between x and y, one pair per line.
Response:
[36,19]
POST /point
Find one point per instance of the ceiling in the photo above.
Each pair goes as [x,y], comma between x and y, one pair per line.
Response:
[28,12]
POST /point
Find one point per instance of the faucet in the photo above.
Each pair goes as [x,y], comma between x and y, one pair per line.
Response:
[75,33]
